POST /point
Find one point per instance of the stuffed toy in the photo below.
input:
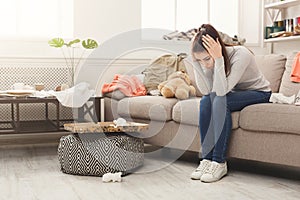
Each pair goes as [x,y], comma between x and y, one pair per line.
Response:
[177,85]
[114,177]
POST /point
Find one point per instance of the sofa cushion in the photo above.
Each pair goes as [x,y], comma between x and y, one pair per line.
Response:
[147,107]
[272,66]
[187,112]
[117,94]
[287,87]
[271,118]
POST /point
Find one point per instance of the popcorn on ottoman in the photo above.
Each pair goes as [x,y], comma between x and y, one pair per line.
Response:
[97,154]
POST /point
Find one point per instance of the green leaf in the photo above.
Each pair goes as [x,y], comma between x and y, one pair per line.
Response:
[73,42]
[89,44]
[56,42]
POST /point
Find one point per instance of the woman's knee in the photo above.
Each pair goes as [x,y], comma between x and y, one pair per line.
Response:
[219,106]
[205,102]
[220,101]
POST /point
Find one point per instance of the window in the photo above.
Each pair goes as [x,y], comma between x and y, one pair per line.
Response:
[36,18]
[158,14]
[191,14]
[224,16]
[183,15]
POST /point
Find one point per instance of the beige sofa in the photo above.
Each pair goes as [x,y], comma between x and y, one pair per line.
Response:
[263,132]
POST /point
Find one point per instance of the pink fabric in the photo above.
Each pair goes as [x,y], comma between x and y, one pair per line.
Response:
[128,85]
[295,75]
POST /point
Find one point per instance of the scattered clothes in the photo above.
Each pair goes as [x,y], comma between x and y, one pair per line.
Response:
[114,177]
[43,94]
[128,85]
[76,96]
[189,35]
[155,92]
[295,74]
[297,99]
[280,98]
[181,36]
[161,67]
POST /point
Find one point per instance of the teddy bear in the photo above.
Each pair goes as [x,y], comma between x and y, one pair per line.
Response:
[177,85]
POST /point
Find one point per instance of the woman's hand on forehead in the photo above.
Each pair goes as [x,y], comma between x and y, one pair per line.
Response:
[213,47]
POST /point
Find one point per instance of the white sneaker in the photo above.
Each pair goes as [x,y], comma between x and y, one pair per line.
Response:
[215,172]
[204,166]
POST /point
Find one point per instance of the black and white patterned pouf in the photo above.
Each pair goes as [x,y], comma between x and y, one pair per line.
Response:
[97,154]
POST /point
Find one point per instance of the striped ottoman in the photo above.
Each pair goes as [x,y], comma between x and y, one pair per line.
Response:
[96,154]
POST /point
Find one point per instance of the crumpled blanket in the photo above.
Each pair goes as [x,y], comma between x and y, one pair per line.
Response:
[190,34]
[75,96]
[130,85]
[280,98]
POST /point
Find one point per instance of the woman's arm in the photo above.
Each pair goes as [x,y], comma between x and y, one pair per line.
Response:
[222,84]
[195,69]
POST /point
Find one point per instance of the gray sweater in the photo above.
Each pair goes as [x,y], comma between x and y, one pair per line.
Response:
[244,74]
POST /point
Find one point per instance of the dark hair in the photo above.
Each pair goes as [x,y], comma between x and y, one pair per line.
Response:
[197,45]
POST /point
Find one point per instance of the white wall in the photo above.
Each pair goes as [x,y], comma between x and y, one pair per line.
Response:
[103,19]
[98,19]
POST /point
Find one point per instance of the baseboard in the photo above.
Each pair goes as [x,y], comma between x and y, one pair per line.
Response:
[31,138]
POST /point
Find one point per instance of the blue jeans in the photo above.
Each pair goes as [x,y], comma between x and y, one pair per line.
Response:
[215,119]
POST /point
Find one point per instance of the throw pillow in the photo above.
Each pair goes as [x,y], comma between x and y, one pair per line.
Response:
[287,87]
[272,66]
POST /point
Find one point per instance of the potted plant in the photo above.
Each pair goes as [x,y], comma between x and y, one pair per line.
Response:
[69,52]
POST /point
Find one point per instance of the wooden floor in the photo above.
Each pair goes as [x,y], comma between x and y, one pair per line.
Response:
[33,172]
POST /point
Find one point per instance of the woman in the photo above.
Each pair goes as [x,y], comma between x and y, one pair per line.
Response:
[229,80]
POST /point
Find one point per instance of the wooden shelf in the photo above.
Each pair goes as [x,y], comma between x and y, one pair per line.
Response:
[282,4]
[273,10]
[281,39]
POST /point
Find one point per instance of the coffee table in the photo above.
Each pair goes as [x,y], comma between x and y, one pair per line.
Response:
[105,127]
[92,108]
[31,126]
